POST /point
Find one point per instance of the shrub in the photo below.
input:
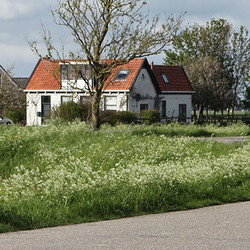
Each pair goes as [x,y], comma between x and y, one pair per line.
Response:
[16,114]
[150,116]
[126,117]
[113,117]
[69,111]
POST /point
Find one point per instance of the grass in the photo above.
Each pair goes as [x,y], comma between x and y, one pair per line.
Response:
[65,173]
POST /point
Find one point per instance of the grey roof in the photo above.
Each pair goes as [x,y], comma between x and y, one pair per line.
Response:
[20,81]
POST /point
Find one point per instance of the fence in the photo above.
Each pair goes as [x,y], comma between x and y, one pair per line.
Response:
[222,120]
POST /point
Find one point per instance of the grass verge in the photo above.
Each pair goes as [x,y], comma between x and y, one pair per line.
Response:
[67,174]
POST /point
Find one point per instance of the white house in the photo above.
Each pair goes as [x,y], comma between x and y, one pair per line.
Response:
[131,87]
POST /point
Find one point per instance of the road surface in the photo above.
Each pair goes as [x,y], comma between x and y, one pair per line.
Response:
[220,227]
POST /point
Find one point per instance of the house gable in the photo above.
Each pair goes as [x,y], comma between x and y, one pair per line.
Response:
[46,76]
[4,76]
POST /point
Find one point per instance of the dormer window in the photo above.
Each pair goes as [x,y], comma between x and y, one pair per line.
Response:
[74,71]
[64,71]
[121,75]
[164,77]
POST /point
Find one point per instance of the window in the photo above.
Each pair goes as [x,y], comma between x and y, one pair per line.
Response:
[121,75]
[163,109]
[46,104]
[144,107]
[182,112]
[83,71]
[110,103]
[164,77]
[74,71]
[85,100]
[65,99]
[64,72]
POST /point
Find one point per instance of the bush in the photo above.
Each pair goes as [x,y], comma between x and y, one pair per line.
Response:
[69,111]
[113,117]
[126,117]
[16,114]
[150,116]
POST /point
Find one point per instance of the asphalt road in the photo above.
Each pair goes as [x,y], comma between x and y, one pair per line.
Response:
[219,227]
[224,139]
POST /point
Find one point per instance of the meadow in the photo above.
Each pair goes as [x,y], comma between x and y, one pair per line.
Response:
[64,173]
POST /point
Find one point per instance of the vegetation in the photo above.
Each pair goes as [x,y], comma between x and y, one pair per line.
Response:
[67,112]
[216,59]
[150,116]
[12,98]
[66,173]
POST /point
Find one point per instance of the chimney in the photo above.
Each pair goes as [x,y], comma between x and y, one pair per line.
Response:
[46,57]
[152,66]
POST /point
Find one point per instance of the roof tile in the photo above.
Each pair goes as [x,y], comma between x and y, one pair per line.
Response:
[178,81]
[46,76]
[133,66]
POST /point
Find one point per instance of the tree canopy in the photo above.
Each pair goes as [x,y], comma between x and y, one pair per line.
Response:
[216,59]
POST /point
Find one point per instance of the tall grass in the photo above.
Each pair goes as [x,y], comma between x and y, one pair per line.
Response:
[65,173]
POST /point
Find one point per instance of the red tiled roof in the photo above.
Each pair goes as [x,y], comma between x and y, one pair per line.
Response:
[178,81]
[46,76]
[133,67]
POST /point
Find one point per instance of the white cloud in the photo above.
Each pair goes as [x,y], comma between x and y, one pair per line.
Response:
[18,56]
[16,8]
[23,18]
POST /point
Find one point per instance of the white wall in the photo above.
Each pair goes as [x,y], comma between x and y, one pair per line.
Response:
[72,85]
[146,89]
[34,105]
[173,101]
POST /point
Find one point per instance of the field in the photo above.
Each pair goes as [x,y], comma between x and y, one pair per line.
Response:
[65,173]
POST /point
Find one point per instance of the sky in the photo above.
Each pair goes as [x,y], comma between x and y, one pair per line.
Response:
[22,20]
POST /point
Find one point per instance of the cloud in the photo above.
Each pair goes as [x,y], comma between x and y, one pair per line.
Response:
[21,8]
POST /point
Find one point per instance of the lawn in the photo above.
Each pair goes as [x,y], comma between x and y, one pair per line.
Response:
[65,173]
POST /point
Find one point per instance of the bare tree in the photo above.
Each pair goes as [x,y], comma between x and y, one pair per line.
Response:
[11,96]
[114,30]
[211,89]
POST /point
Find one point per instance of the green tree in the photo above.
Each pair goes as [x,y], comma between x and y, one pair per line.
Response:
[246,101]
[240,63]
[112,29]
[223,47]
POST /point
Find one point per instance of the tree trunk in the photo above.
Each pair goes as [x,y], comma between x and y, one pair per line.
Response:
[95,111]
[200,113]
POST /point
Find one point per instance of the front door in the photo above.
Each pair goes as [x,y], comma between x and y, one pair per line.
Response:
[46,105]
[182,113]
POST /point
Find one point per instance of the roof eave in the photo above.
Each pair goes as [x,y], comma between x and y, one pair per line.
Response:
[177,92]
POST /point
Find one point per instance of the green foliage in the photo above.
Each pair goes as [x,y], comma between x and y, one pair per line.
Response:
[246,101]
[114,117]
[63,174]
[68,111]
[17,114]
[150,116]
[227,52]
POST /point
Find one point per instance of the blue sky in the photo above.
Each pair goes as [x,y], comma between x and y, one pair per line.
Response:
[21,20]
